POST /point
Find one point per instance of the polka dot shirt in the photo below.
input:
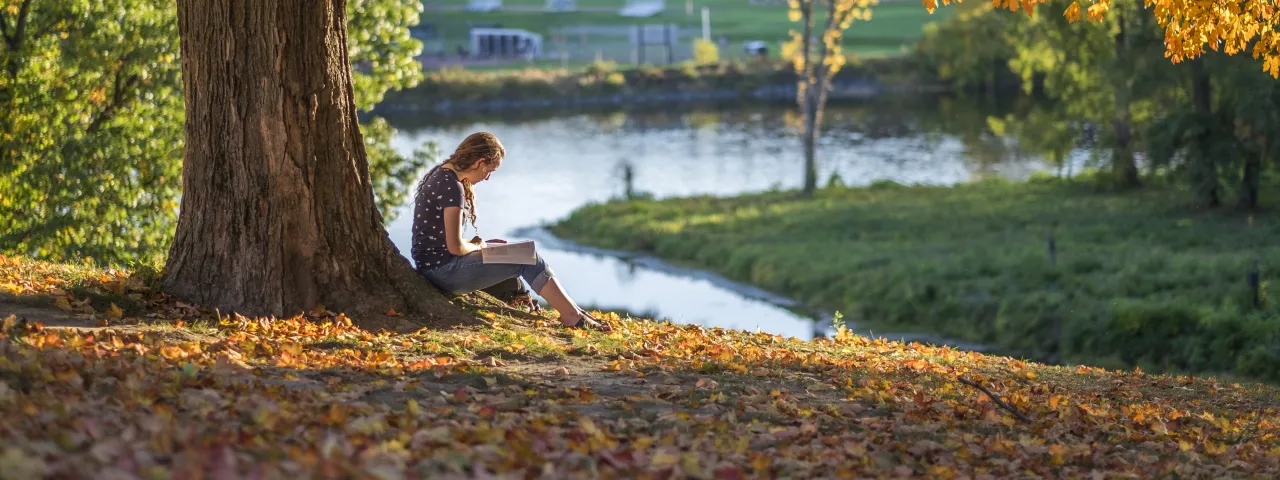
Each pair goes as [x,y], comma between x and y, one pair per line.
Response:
[439,189]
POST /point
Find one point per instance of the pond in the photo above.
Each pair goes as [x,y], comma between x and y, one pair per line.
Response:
[558,162]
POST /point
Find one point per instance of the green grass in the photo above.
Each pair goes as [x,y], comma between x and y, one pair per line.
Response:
[1140,278]
[894,26]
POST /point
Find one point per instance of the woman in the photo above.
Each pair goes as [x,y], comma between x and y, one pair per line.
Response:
[455,265]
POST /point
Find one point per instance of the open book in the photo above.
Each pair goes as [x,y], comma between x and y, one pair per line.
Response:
[521,253]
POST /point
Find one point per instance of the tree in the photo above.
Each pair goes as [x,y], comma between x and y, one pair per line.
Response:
[970,48]
[815,73]
[90,127]
[1190,25]
[93,117]
[278,212]
[1102,71]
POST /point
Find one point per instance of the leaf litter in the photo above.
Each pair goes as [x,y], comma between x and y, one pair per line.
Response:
[317,396]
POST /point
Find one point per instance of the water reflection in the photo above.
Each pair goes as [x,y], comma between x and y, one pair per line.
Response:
[562,161]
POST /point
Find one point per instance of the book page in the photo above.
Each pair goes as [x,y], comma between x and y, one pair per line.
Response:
[521,253]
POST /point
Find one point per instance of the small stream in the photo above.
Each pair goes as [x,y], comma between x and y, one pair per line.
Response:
[560,162]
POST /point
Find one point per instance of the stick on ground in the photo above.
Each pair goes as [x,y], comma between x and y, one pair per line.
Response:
[996,399]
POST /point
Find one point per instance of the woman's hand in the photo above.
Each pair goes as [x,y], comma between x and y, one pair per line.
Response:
[483,243]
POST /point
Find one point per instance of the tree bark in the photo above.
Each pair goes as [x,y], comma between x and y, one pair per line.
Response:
[1124,169]
[1251,178]
[1204,172]
[810,144]
[808,110]
[278,213]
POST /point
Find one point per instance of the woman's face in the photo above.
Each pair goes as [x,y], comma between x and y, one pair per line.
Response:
[483,170]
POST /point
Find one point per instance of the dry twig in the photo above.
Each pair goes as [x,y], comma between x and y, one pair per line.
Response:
[995,398]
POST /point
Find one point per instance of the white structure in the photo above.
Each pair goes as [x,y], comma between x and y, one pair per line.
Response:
[561,6]
[505,42]
[665,35]
[643,8]
[483,5]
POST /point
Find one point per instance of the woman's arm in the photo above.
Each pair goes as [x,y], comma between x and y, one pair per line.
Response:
[453,233]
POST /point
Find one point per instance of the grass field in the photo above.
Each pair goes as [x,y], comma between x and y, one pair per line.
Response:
[1138,279]
[895,26]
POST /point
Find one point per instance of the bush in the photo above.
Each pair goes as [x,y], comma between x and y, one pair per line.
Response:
[705,52]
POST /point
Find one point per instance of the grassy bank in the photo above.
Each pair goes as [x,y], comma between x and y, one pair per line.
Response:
[1138,279]
[167,390]
[459,85]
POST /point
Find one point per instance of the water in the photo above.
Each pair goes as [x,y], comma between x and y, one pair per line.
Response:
[558,163]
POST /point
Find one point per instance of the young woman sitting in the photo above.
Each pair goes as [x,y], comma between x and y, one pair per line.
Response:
[455,265]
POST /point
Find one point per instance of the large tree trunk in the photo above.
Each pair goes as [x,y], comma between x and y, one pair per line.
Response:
[278,212]
[1124,170]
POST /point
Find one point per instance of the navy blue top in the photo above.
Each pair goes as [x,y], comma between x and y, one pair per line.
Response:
[439,189]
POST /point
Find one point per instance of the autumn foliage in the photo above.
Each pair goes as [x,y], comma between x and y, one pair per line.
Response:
[177,393]
[1190,26]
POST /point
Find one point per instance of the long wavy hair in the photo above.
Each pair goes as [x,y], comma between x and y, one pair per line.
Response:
[476,148]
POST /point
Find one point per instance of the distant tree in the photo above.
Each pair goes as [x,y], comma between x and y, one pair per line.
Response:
[816,67]
[1102,72]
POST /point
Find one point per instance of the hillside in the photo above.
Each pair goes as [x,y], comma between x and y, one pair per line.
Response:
[161,389]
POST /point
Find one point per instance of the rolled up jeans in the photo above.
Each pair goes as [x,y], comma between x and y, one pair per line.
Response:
[468,273]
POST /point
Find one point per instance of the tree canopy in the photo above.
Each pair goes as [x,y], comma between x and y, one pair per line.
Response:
[91,121]
[1191,27]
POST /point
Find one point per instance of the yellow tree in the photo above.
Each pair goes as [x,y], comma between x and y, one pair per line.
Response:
[1191,26]
[814,68]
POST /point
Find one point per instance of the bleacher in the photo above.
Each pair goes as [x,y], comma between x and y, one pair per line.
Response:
[483,5]
[643,8]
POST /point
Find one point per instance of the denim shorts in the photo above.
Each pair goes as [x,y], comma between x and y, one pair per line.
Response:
[469,273]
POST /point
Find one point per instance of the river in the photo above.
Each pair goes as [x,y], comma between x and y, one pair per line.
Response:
[560,161]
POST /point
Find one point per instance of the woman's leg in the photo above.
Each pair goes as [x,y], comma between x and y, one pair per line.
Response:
[469,273]
[559,300]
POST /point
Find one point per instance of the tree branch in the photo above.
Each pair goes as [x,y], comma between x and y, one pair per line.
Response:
[996,399]
[118,99]
[4,27]
[20,29]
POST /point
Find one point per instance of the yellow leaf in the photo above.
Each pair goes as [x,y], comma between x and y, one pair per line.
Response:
[115,313]
[1159,427]
[1053,401]
[1073,12]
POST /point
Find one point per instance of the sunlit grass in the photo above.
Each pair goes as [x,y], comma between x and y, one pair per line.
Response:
[1137,279]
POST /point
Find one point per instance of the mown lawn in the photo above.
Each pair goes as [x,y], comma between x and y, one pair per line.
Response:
[163,389]
[894,25]
[1138,279]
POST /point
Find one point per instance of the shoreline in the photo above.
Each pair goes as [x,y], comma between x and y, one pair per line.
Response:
[861,89]
[544,237]
[852,91]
